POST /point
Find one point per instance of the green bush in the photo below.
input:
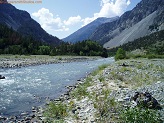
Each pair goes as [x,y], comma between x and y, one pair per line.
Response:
[152,56]
[120,54]
[140,115]
[81,90]
[100,68]
[55,111]
[105,106]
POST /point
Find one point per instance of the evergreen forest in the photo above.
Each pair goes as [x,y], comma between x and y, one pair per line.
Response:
[11,42]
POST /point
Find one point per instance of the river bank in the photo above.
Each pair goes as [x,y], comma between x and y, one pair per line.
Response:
[15,61]
[107,92]
[27,88]
[103,94]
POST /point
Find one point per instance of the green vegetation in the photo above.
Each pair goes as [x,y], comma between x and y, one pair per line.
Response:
[105,106]
[136,73]
[100,68]
[11,42]
[152,46]
[81,90]
[101,78]
[84,48]
[55,111]
[116,76]
[140,115]
[120,54]
[152,56]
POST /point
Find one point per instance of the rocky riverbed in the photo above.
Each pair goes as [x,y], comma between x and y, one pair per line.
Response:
[14,61]
[102,94]
[113,88]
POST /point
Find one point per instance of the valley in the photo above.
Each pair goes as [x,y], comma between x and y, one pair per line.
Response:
[82,62]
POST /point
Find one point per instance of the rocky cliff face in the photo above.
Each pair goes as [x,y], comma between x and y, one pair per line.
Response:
[22,22]
[85,32]
[105,32]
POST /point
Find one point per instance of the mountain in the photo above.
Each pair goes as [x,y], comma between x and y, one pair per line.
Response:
[85,32]
[22,22]
[149,44]
[147,17]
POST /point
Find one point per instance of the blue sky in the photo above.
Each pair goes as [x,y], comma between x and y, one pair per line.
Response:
[63,17]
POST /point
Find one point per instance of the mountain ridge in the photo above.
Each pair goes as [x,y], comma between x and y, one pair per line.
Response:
[108,31]
[22,22]
[85,32]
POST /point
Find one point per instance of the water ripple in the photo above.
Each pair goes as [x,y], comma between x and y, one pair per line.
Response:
[30,86]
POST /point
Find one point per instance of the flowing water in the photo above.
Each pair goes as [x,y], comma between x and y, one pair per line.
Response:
[30,86]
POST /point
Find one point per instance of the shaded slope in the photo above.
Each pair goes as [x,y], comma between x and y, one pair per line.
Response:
[22,22]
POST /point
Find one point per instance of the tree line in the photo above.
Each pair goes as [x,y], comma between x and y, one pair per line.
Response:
[84,48]
[11,42]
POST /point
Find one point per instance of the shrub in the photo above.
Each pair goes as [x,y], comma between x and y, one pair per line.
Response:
[140,115]
[101,79]
[81,90]
[106,107]
[55,111]
[104,53]
[59,58]
[152,56]
[100,68]
[120,54]
[102,104]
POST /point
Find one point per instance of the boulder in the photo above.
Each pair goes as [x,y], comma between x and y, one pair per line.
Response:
[146,100]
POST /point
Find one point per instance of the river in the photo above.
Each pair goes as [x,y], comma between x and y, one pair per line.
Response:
[30,86]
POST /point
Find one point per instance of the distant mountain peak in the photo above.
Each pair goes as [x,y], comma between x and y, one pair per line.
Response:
[85,32]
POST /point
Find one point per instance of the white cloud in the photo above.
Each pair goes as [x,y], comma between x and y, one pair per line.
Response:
[51,23]
[88,20]
[104,2]
[48,21]
[128,2]
[72,20]
[109,8]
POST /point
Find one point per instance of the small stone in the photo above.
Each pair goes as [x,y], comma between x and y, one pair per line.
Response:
[127,98]
[2,118]
[27,118]
[2,77]
[24,113]
[120,100]
[74,111]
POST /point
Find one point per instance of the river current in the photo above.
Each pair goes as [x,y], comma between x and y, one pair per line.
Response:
[31,86]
